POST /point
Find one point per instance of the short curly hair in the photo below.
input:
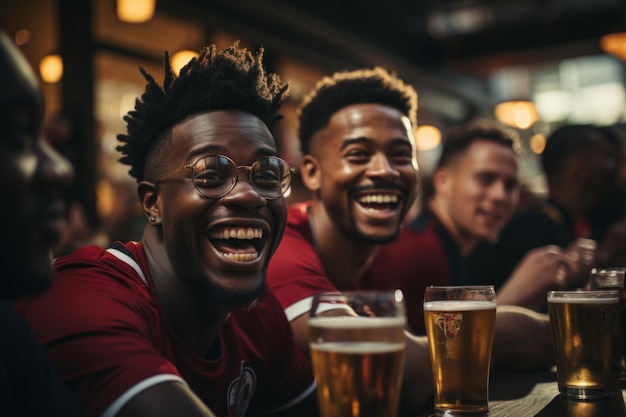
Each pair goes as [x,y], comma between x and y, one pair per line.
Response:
[233,79]
[345,88]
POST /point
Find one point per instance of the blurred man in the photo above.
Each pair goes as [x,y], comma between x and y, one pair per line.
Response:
[32,178]
[174,325]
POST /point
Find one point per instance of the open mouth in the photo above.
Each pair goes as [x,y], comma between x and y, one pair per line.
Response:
[238,244]
[379,202]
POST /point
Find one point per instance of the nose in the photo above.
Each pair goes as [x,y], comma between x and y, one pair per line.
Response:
[53,169]
[379,166]
[243,193]
[500,192]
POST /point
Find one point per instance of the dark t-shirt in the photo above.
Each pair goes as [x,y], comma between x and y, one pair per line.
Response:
[546,223]
[29,386]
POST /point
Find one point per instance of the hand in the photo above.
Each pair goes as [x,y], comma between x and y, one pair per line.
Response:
[542,269]
[581,255]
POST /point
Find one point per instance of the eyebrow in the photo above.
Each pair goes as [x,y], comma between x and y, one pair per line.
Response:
[222,150]
[362,139]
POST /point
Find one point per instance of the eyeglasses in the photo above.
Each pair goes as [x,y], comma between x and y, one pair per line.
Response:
[216,175]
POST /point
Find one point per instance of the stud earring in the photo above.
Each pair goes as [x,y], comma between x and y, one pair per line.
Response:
[153,219]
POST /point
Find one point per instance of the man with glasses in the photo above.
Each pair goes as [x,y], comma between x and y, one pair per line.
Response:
[179,323]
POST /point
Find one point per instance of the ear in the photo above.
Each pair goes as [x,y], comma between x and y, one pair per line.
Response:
[149,197]
[310,172]
[441,181]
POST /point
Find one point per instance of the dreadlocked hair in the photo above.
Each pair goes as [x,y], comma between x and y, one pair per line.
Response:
[233,79]
[346,88]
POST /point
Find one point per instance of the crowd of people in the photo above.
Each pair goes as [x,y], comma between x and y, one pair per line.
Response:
[207,314]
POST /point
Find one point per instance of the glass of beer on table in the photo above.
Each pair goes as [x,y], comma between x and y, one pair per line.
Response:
[582,324]
[613,279]
[460,323]
[357,344]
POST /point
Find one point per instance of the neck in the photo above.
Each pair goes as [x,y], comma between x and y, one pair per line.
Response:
[344,259]
[465,243]
[196,322]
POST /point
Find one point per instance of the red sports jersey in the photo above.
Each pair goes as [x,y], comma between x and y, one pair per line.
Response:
[416,259]
[105,331]
[295,273]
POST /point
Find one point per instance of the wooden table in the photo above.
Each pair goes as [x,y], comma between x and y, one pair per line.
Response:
[537,394]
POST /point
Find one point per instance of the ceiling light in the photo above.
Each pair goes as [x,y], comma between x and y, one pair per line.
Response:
[520,114]
[182,58]
[427,138]
[51,68]
[135,11]
[614,44]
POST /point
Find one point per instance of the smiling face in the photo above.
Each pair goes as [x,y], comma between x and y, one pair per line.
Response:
[478,190]
[362,169]
[32,177]
[221,246]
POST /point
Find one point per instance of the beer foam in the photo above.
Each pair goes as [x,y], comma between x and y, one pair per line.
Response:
[590,300]
[459,305]
[353,322]
[358,347]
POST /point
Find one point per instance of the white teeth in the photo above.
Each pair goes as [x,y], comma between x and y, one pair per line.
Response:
[241,257]
[241,233]
[379,198]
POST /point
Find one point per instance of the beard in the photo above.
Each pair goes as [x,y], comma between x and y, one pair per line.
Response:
[229,298]
[357,235]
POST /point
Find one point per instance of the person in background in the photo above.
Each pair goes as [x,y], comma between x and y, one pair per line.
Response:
[474,191]
[32,179]
[180,324]
[580,169]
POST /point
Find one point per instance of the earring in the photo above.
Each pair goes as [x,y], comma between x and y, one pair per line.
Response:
[153,219]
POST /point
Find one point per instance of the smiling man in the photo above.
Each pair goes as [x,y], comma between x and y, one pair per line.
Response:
[175,325]
[359,162]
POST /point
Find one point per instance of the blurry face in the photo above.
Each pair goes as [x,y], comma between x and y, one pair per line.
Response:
[32,177]
[220,246]
[480,189]
[363,170]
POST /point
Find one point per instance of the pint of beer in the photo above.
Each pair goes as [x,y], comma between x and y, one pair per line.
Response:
[613,279]
[357,346]
[460,324]
[582,327]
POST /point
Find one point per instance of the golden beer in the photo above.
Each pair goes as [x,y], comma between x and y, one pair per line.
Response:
[460,337]
[613,279]
[358,364]
[582,327]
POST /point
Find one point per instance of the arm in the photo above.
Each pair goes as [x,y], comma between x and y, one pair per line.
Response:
[523,340]
[163,400]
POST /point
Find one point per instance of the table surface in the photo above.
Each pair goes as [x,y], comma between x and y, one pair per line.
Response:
[537,394]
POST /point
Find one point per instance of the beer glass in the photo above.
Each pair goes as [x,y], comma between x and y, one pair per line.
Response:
[460,324]
[582,327]
[613,278]
[357,344]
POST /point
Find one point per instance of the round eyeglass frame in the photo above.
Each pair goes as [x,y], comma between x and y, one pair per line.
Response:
[285,181]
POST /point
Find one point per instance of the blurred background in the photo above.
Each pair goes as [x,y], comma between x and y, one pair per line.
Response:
[532,64]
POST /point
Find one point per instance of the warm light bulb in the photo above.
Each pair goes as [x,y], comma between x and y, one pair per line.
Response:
[537,143]
[51,68]
[520,114]
[427,137]
[182,58]
[135,11]
[614,44]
